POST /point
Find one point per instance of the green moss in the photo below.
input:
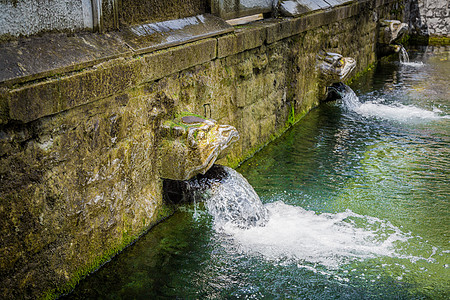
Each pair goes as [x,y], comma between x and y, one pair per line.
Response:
[236,161]
[127,239]
[404,40]
[439,40]
[177,120]
[291,117]
[359,74]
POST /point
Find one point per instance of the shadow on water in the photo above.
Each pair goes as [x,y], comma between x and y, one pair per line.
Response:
[357,203]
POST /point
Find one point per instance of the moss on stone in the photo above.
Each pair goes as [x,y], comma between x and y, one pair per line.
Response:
[127,240]
[439,40]
[361,73]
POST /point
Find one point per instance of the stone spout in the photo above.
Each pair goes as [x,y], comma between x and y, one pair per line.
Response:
[391,31]
[333,67]
[190,145]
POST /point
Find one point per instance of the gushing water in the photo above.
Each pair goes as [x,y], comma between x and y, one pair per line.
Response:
[229,198]
[280,231]
[293,233]
[404,59]
[380,109]
[403,55]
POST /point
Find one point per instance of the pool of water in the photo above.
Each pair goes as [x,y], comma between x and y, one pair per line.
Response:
[357,199]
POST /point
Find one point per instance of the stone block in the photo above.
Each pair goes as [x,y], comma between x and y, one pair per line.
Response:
[247,38]
[165,62]
[42,56]
[31,102]
[150,11]
[278,30]
[295,8]
[231,9]
[149,37]
[45,98]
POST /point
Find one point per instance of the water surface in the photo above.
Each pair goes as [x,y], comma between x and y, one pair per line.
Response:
[357,196]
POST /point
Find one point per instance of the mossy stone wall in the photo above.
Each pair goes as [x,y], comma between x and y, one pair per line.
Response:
[79,155]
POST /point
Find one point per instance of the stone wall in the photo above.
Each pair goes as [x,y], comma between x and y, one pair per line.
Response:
[79,155]
[429,17]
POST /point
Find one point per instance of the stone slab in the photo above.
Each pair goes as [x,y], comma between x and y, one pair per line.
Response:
[165,62]
[154,36]
[41,99]
[230,9]
[278,30]
[243,39]
[334,3]
[28,59]
[295,8]
[42,56]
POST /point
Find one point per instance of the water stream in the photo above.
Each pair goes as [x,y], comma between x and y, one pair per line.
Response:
[352,202]
[403,55]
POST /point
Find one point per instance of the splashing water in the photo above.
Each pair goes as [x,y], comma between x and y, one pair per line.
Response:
[378,108]
[349,98]
[280,231]
[330,240]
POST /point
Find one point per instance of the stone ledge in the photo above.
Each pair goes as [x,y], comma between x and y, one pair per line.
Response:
[244,39]
[104,66]
[31,102]
[37,57]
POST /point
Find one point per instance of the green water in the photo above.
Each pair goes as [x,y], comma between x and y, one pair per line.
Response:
[364,192]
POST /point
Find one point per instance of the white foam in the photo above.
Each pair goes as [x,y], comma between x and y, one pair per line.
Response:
[413,64]
[398,112]
[327,239]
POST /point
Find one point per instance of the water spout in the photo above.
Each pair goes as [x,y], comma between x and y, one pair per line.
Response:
[332,68]
[191,144]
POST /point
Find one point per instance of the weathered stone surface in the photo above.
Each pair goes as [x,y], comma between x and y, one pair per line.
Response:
[34,101]
[190,145]
[75,189]
[230,9]
[27,17]
[58,53]
[295,8]
[390,31]
[150,11]
[246,38]
[429,17]
[62,53]
[154,36]
[333,67]
[278,30]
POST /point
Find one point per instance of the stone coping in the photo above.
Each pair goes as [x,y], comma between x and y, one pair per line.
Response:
[96,66]
[36,57]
